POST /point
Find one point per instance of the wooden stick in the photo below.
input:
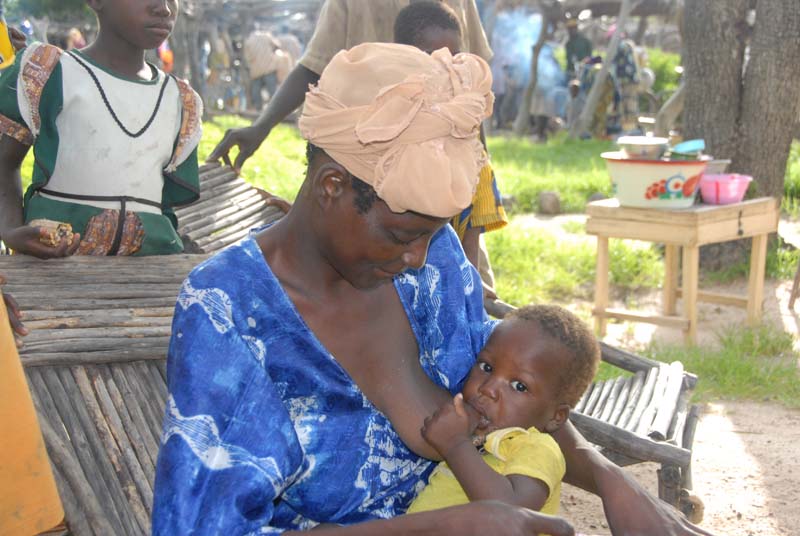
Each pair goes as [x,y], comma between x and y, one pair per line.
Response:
[612,399]
[241,230]
[245,225]
[621,401]
[127,456]
[202,213]
[241,214]
[74,516]
[151,437]
[62,320]
[646,420]
[667,403]
[152,415]
[593,397]
[585,398]
[644,399]
[41,359]
[633,399]
[129,503]
[62,457]
[96,344]
[129,426]
[598,409]
[156,395]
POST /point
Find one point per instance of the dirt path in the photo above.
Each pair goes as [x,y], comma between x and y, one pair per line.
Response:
[746,467]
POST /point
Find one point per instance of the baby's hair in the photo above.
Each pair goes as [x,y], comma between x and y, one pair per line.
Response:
[571,332]
[418,16]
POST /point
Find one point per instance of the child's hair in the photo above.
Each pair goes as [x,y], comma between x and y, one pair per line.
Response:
[416,17]
[571,332]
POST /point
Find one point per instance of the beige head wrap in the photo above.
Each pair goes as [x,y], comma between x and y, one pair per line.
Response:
[405,122]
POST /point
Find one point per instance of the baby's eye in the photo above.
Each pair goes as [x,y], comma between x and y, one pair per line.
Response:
[485,367]
[519,386]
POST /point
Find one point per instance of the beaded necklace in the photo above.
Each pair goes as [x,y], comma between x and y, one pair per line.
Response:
[108,104]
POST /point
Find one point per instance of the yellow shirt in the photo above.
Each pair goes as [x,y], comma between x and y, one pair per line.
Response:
[343,24]
[511,451]
[486,211]
[29,501]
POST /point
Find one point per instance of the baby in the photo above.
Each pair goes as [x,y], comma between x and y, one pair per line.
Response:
[534,368]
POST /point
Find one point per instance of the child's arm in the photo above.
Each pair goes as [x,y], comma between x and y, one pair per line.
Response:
[13,231]
[449,430]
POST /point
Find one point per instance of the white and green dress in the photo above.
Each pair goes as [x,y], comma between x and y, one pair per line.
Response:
[113,155]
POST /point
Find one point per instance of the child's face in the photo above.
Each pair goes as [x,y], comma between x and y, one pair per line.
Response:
[145,24]
[515,379]
[433,38]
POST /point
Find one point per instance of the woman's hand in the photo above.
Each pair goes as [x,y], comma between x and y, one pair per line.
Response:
[26,240]
[631,510]
[14,315]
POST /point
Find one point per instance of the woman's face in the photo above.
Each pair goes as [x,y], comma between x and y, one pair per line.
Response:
[370,249]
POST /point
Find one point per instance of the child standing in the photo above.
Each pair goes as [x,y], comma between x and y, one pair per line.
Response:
[534,368]
[114,140]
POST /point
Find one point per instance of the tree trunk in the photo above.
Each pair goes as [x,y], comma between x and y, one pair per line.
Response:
[641,29]
[523,120]
[771,99]
[584,120]
[713,52]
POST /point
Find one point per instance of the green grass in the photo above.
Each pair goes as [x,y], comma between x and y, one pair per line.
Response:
[573,168]
[663,65]
[534,267]
[750,363]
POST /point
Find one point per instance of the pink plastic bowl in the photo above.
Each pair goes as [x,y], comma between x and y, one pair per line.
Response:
[724,189]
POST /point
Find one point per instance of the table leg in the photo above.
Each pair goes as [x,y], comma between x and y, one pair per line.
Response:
[670,278]
[601,286]
[755,287]
[691,261]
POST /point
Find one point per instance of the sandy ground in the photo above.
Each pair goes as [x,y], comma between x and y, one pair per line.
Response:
[745,457]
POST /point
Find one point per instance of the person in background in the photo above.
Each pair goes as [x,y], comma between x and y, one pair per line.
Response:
[626,75]
[577,99]
[267,63]
[72,205]
[578,48]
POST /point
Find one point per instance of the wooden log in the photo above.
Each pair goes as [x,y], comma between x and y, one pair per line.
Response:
[215,180]
[593,397]
[241,230]
[74,516]
[94,459]
[623,441]
[667,404]
[585,398]
[157,380]
[62,457]
[95,344]
[51,337]
[225,190]
[621,401]
[688,442]
[242,225]
[141,442]
[35,359]
[612,398]
[162,368]
[646,420]
[95,305]
[99,319]
[155,391]
[129,503]
[243,213]
[152,414]
[625,360]
[203,213]
[149,436]
[643,400]
[208,166]
[633,399]
[676,428]
[140,502]
[607,387]
[101,292]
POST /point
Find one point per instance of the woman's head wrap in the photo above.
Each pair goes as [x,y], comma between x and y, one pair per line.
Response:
[404,122]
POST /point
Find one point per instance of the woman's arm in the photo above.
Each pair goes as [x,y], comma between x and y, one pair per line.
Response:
[476,518]
[629,508]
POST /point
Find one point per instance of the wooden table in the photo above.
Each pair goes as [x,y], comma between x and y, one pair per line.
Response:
[687,229]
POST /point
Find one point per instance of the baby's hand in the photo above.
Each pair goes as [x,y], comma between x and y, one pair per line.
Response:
[449,426]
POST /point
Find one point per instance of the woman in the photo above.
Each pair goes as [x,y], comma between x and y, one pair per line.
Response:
[305,359]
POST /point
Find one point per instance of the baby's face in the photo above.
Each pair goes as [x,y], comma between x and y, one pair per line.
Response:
[433,38]
[515,379]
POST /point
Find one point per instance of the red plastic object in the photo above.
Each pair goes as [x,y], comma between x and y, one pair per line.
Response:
[724,189]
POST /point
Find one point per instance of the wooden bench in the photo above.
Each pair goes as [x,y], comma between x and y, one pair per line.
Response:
[226,211]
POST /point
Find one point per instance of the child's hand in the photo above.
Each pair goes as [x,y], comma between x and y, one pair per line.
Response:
[27,240]
[449,426]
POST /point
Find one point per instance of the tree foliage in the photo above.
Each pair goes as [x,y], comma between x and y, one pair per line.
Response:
[53,9]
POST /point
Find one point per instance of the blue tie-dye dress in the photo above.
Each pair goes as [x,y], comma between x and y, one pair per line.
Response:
[264,430]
